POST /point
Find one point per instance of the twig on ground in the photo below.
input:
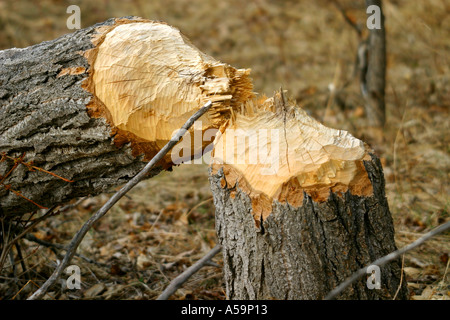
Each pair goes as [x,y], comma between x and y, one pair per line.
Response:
[401,278]
[72,205]
[198,205]
[383,260]
[182,278]
[23,287]
[32,238]
[116,197]
[212,264]
[30,224]
[7,244]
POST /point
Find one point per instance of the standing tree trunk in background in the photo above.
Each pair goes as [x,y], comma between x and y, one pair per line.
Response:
[374,80]
[300,230]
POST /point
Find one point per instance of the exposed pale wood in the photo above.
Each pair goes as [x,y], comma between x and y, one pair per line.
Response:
[93,106]
[276,151]
[149,78]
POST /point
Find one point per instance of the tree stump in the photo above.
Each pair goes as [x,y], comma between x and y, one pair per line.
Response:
[299,231]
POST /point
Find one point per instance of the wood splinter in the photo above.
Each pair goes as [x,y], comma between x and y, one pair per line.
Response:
[95,105]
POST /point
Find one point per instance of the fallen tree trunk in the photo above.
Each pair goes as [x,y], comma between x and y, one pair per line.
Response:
[300,209]
[93,106]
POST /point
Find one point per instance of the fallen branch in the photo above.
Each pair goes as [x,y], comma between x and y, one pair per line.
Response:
[7,244]
[58,246]
[30,224]
[116,197]
[382,261]
[182,278]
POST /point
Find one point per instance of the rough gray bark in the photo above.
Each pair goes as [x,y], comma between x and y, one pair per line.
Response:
[45,117]
[305,252]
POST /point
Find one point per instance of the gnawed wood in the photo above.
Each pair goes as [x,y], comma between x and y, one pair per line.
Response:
[276,151]
[93,106]
[148,78]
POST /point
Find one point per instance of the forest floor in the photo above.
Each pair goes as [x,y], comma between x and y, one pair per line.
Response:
[166,223]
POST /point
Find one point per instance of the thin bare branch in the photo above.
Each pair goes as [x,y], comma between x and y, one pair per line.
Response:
[71,249]
[7,244]
[47,244]
[382,261]
[182,278]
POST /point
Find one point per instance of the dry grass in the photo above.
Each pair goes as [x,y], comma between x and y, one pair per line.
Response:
[303,46]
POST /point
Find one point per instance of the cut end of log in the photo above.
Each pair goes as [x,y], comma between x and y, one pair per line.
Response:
[274,151]
[147,79]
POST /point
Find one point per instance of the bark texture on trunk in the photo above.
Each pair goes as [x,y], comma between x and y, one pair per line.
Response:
[93,105]
[44,116]
[304,252]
